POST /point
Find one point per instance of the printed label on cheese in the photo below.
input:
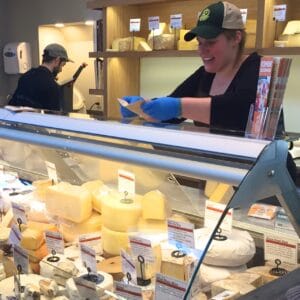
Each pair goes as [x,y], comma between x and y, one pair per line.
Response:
[141,247]
[126,182]
[128,267]
[15,235]
[54,242]
[88,258]
[134,25]
[128,291]
[212,214]
[21,259]
[86,289]
[19,213]
[93,240]
[176,21]
[168,288]
[279,247]
[182,233]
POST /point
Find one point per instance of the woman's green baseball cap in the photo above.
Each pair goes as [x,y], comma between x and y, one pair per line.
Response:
[214,18]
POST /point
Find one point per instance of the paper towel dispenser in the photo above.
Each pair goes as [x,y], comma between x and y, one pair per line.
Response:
[17,58]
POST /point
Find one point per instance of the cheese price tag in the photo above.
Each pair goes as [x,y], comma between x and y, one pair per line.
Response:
[244,12]
[134,25]
[86,289]
[176,21]
[92,240]
[15,235]
[21,260]
[19,213]
[54,241]
[141,247]
[169,288]
[126,182]
[88,258]
[279,12]
[212,214]
[127,291]
[128,267]
[51,170]
[182,233]
[153,23]
[280,247]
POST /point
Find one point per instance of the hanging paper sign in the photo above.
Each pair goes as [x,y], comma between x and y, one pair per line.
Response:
[135,25]
[153,23]
[279,12]
[176,21]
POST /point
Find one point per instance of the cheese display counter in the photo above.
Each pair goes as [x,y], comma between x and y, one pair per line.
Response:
[102,210]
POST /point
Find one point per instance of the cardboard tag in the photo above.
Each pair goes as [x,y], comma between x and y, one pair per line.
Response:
[54,241]
[88,258]
[134,25]
[51,170]
[142,247]
[126,182]
[176,21]
[153,23]
[86,289]
[15,235]
[92,240]
[128,268]
[19,213]
[127,291]
[21,259]
[279,12]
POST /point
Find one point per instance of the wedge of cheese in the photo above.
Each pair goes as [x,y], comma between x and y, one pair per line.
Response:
[117,214]
[68,201]
[222,194]
[210,187]
[114,241]
[155,206]
[71,231]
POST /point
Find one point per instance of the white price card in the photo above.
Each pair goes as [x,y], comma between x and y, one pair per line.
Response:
[126,182]
[21,260]
[128,268]
[19,213]
[169,288]
[280,247]
[86,289]
[51,170]
[141,248]
[15,235]
[244,12]
[127,291]
[279,12]
[54,242]
[92,240]
[176,21]
[134,25]
[212,214]
[182,233]
[153,23]
[88,258]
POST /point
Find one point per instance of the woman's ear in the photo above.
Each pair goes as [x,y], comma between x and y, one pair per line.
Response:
[238,36]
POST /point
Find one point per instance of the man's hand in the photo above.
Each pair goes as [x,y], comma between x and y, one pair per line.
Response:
[164,108]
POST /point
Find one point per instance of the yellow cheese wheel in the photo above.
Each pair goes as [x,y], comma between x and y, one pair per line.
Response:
[114,241]
[117,214]
[68,201]
[72,230]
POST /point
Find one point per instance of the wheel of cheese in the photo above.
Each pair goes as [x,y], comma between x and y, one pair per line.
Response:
[117,214]
[236,250]
[112,266]
[209,274]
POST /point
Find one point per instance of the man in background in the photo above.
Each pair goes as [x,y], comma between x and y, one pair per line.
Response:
[38,88]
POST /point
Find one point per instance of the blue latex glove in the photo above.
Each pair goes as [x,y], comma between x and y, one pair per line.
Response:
[126,113]
[164,108]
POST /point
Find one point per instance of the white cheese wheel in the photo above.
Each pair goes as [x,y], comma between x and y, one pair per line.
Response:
[236,250]
[209,274]
[106,284]
[47,267]
[118,215]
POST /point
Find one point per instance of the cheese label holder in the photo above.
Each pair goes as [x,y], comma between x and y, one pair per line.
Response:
[54,257]
[279,272]
[218,236]
[141,280]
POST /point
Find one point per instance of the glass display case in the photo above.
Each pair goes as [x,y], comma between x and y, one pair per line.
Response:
[173,211]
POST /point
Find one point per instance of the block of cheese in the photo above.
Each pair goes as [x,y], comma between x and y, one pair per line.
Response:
[48,287]
[125,44]
[47,266]
[252,278]
[162,42]
[64,270]
[32,239]
[210,274]
[105,284]
[222,194]
[183,45]
[182,33]
[236,250]
[210,187]
[119,214]
[264,272]
[41,226]
[41,187]
[226,295]
[4,234]
[114,241]
[152,225]
[71,231]
[231,285]
[143,46]
[8,218]
[163,28]
[95,187]
[38,254]
[155,206]
[68,201]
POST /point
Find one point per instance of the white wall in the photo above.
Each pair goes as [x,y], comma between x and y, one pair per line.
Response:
[160,76]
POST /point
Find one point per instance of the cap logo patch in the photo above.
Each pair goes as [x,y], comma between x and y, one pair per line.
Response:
[205,15]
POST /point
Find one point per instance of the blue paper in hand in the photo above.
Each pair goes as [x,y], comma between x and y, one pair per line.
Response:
[126,113]
[164,108]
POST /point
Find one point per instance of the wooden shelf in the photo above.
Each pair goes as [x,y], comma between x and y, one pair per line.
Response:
[98,92]
[95,4]
[280,51]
